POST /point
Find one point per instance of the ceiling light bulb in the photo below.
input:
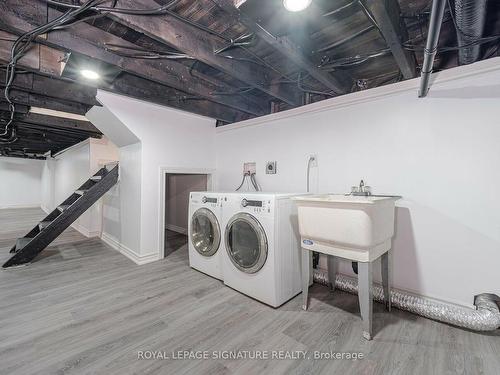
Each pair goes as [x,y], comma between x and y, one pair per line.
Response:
[89,74]
[296,5]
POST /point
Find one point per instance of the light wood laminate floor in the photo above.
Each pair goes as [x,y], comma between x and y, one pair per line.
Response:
[83,308]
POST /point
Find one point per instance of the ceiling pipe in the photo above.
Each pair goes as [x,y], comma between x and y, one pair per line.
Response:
[435,22]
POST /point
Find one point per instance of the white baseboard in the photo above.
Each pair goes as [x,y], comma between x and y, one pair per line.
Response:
[138,259]
[175,228]
[80,228]
[10,206]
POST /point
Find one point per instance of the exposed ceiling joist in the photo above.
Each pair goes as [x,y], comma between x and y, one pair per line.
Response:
[90,41]
[386,17]
[61,114]
[202,46]
[283,46]
[137,87]
[53,88]
[26,99]
[4,106]
[38,57]
[59,123]
[315,15]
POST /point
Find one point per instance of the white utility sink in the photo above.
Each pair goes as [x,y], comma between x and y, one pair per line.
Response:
[353,227]
[358,227]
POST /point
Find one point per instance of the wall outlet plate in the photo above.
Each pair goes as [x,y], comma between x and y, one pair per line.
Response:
[249,168]
[271,167]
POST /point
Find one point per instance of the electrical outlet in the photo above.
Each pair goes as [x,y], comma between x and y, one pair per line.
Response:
[271,167]
[249,168]
[313,159]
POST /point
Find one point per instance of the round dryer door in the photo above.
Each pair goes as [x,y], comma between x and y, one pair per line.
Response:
[246,243]
[205,232]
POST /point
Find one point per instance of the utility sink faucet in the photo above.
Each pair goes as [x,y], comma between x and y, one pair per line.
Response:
[361,190]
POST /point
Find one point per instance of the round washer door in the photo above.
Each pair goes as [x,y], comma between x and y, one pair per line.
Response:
[205,232]
[246,243]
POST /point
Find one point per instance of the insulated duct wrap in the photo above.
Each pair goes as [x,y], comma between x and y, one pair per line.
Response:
[486,317]
[470,20]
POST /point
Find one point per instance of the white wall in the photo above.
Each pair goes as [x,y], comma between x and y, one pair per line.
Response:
[111,126]
[20,182]
[65,173]
[102,152]
[48,185]
[121,223]
[178,187]
[441,153]
[169,138]
[72,169]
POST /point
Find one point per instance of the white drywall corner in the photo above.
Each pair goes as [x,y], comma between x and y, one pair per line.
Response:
[115,130]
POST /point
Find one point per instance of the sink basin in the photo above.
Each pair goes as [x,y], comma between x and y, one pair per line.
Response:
[346,221]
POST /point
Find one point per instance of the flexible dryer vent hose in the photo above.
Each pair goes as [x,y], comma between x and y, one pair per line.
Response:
[486,317]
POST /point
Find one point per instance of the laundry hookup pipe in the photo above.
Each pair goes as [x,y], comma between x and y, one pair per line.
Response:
[486,317]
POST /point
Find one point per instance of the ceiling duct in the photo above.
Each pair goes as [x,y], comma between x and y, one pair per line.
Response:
[470,20]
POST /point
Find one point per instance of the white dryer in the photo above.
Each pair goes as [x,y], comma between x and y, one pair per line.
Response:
[204,231]
[261,256]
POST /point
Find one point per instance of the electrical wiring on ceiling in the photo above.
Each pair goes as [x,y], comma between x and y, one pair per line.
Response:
[345,62]
[303,89]
[18,50]
[96,8]
[144,54]
[242,90]
[71,17]
[420,48]
[240,42]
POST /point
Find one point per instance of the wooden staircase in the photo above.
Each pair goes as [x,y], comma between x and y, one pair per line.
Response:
[47,230]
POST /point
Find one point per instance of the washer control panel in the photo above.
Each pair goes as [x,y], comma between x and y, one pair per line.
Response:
[207,200]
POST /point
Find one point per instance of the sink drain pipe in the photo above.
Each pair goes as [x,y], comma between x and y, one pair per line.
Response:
[486,317]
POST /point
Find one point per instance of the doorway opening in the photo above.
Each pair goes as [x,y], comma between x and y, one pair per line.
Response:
[177,187]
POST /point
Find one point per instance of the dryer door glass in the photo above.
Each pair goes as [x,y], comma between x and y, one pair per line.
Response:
[205,232]
[246,243]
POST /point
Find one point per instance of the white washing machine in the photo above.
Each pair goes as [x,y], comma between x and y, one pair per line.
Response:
[261,256]
[205,234]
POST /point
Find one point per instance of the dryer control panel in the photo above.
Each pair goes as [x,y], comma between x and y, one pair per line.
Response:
[257,206]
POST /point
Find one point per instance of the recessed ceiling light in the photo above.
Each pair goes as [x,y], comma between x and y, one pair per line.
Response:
[296,5]
[89,74]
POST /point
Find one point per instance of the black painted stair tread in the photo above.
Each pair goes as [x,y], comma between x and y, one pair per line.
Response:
[46,231]
[21,242]
[44,224]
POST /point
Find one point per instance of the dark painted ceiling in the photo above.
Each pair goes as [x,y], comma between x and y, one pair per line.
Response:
[211,58]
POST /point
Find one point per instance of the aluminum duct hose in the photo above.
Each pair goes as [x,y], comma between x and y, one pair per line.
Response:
[470,18]
[486,317]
